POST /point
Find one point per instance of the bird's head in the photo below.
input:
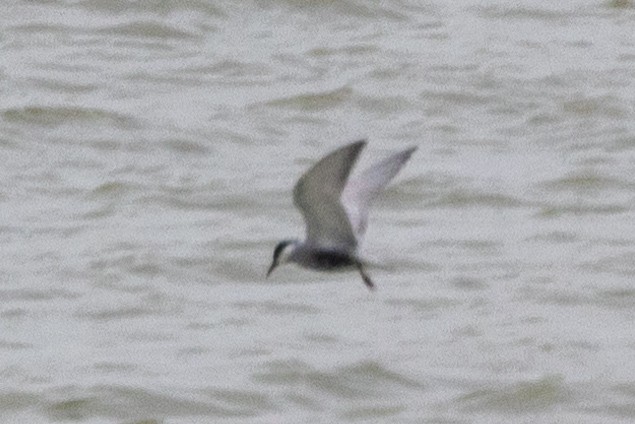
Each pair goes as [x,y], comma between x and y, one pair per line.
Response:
[282,254]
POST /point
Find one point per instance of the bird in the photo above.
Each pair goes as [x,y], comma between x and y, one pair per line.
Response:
[335,211]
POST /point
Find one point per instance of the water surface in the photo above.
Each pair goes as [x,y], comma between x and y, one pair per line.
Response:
[148,153]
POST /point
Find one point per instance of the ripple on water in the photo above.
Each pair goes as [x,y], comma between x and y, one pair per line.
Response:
[623,264]
[384,104]
[539,395]
[59,115]
[273,307]
[64,86]
[581,208]
[209,8]
[314,101]
[626,408]
[585,181]
[587,106]
[111,189]
[462,198]
[507,12]
[366,380]
[178,145]
[124,313]
[131,403]
[7,345]
[428,306]
[147,29]
[37,295]
[617,298]
[555,237]
[132,264]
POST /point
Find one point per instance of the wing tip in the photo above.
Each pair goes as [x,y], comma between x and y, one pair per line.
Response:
[405,155]
[359,144]
[410,150]
[353,151]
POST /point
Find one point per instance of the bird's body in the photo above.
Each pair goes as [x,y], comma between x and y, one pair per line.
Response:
[335,210]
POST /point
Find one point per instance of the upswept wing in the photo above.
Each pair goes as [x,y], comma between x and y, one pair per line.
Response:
[317,195]
[364,188]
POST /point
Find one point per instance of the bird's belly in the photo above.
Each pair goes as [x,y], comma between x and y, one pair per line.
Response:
[330,261]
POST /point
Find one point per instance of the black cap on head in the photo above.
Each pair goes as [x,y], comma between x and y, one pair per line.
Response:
[276,254]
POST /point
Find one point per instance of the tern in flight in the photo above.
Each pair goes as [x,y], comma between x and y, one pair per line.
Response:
[335,210]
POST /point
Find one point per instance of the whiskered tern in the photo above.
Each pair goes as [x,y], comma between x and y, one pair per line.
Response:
[335,210]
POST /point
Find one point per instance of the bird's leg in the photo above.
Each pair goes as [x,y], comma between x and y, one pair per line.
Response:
[369,283]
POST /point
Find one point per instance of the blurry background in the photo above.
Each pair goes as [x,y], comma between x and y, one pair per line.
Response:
[147,154]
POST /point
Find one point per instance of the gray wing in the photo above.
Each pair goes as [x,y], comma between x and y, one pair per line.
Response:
[317,195]
[363,189]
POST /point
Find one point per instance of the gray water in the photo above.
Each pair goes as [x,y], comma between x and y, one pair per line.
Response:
[148,150]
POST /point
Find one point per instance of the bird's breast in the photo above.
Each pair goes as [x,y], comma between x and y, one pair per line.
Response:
[329,260]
